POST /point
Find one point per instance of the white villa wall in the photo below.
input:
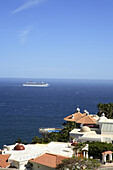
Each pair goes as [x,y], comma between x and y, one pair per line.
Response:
[76,136]
[19,165]
[85,139]
[37,166]
[107,128]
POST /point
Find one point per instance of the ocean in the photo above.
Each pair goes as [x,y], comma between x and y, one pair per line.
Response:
[23,110]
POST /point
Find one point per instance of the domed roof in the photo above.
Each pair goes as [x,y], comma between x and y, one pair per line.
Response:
[85,129]
[19,147]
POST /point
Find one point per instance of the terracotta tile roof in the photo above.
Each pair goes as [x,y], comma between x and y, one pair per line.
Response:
[3,159]
[87,119]
[74,117]
[106,152]
[50,160]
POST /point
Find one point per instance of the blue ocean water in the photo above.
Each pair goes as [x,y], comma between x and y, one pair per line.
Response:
[23,110]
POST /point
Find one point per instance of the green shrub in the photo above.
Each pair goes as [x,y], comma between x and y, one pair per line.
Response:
[96,148]
[77,164]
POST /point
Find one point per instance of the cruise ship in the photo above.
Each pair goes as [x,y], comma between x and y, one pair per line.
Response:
[35,84]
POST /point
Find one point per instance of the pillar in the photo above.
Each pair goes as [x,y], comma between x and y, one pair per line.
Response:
[103,158]
[84,154]
[110,157]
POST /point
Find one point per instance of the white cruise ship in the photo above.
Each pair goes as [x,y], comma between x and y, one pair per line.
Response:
[35,84]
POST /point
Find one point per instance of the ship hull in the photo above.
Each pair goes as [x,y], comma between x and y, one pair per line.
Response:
[29,85]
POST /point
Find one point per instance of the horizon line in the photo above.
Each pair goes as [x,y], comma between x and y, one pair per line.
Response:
[55,78]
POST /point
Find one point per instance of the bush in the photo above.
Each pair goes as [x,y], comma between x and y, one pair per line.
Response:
[106,108]
[62,136]
[96,148]
[77,163]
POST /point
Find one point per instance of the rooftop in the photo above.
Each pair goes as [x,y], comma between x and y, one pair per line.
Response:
[74,117]
[50,160]
[34,150]
[87,119]
[84,118]
[3,159]
[107,152]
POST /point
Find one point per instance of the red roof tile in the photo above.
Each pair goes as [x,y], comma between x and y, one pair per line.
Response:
[106,152]
[3,159]
[87,119]
[74,117]
[50,160]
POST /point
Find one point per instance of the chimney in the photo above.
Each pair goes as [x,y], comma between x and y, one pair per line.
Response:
[78,110]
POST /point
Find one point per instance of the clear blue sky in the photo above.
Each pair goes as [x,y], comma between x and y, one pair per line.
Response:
[56,39]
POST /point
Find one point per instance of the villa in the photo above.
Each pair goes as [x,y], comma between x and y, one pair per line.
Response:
[32,156]
[91,127]
[82,118]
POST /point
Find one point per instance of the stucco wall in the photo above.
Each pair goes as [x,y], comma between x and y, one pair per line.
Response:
[40,167]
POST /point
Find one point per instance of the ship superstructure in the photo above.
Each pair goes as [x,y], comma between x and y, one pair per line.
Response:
[35,84]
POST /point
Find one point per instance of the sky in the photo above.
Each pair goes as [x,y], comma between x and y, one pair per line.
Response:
[66,39]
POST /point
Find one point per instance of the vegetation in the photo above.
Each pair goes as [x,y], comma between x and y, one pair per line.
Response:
[62,136]
[78,164]
[107,109]
[36,139]
[20,141]
[96,148]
